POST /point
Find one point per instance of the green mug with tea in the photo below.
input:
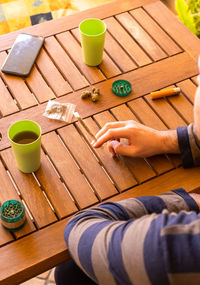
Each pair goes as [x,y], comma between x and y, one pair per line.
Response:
[92,33]
[25,140]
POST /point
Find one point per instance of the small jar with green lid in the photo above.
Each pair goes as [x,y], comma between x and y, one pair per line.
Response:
[12,215]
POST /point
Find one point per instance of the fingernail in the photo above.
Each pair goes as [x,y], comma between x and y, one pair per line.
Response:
[93,142]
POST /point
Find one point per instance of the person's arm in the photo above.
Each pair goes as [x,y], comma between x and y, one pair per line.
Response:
[142,141]
[137,241]
[189,137]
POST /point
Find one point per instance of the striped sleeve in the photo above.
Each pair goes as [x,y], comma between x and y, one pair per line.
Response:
[189,146]
[140,241]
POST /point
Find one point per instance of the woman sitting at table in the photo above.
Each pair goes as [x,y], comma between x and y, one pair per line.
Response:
[145,240]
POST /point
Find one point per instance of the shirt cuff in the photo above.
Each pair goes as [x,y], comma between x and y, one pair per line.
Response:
[184,146]
[191,203]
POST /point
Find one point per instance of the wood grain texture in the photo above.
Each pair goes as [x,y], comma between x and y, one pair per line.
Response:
[188,88]
[107,66]
[39,87]
[150,118]
[144,80]
[140,35]
[116,168]
[17,87]
[154,30]
[64,64]
[180,177]
[8,192]
[23,265]
[145,45]
[165,111]
[70,173]
[7,104]
[127,42]
[69,43]
[176,29]
[140,167]
[118,54]
[183,107]
[89,165]
[46,29]
[30,191]
[54,189]
[52,75]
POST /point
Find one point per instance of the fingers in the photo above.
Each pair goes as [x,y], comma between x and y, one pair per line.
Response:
[111,147]
[119,148]
[108,126]
[111,134]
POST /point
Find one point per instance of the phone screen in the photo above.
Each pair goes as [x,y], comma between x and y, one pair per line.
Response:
[22,55]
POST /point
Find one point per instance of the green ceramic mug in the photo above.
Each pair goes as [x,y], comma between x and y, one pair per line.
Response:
[92,33]
[25,139]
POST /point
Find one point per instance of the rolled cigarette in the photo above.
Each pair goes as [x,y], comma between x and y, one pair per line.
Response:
[165,92]
[77,116]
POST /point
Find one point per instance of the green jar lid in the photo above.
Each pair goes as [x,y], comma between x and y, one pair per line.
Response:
[121,88]
[12,214]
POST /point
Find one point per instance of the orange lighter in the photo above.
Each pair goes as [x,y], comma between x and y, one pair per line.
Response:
[165,92]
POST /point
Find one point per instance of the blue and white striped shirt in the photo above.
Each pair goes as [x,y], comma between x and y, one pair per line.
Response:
[141,241]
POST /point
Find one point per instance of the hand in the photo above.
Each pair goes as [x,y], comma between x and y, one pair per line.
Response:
[142,141]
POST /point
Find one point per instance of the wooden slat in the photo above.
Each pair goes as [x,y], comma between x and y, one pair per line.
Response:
[183,107]
[127,42]
[195,80]
[139,34]
[158,34]
[116,168]
[118,54]
[5,236]
[159,165]
[33,254]
[23,266]
[65,64]
[55,80]
[176,29]
[166,112]
[146,114]
[8,192]
[139,166]
[188,88]
[18,87]
[7,104]
[30,191]
[149,118]
[108,67]
[54,189]
[68,42]
[180,177]
[144,80]
[170,117]
[39,87]
[68,170]
[46,29]
[89,165]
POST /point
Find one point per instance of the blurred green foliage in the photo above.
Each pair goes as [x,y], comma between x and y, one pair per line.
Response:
[189,13]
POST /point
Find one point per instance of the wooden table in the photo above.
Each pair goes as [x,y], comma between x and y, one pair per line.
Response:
[146,45]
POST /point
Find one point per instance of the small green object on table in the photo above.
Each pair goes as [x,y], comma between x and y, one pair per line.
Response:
[12,214]
[121,88]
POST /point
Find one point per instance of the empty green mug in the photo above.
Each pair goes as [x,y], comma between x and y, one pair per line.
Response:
[92,33]
[25,139]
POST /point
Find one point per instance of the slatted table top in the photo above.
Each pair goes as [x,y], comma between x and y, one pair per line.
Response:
[146,45]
